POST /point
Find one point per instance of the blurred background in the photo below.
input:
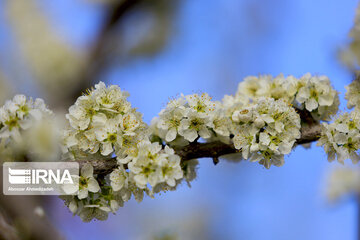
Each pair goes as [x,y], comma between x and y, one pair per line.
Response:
[157,49]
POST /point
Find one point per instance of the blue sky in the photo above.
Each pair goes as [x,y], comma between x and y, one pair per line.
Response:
[214,46]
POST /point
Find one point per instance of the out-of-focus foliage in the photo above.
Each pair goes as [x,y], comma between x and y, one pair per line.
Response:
[5,89]
[156,27]
[186,226]
[53,62]
[350,55]
[341,182]
[28,131]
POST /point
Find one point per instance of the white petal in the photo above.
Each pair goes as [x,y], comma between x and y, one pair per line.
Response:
[342,128]
[20,99]
[140,180]
[311,104]
[326,100]
[340,138]
[190,135]
[264,138]
[36,113]
[93,185]
[106,149]
[171,135]
[83,193]
[204,132]
[73,206]
[171,182]
[100,118]
[71,189]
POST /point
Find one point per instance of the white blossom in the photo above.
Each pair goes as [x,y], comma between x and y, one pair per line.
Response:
[266,86]
[312,93]
[260,120]
[170,168]
[154,165]
[266,130]
[353,94]
[254,87]
[118,178]
[341,139]
[190,170]
[190,117]
[103,120]
[221,126]
[316,94]
[194,125]
[170,122]
[22,119]
[84,184]
[349,55]
[20,114]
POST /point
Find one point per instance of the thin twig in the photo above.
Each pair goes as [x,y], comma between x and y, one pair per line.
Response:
[214,150]
[98,55]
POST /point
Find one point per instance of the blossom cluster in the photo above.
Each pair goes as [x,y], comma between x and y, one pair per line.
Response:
[312,93]
[54,63]
[102,124]
[260,121]
[190,117]
[352,94]
[94,200]
[22,119]
[154,165]
[341,138]
[266,130]
[96,196]
[355,31]
[104,121]
[350,54]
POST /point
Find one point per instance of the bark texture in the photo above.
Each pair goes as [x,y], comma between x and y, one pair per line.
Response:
[309,133]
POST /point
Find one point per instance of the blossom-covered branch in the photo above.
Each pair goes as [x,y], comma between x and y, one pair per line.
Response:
[214,150]
[121,156]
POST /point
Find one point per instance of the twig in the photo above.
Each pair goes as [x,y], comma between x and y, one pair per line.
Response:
[98,54]
[214,150]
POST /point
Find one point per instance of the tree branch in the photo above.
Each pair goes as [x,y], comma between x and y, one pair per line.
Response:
[97,59]
[309,133]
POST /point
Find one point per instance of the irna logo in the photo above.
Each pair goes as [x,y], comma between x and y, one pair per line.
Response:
[39,178]
[35,176]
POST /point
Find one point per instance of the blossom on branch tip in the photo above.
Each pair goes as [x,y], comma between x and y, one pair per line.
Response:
[341,139]
[317,96]
[260,123]
[266,130]
[154,165]
[85,183]
[20,114]
[103,120]
[189,118]
[22,119]
[352,94]
[312,93]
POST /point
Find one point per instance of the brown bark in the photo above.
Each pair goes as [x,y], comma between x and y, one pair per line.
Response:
[214,150]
